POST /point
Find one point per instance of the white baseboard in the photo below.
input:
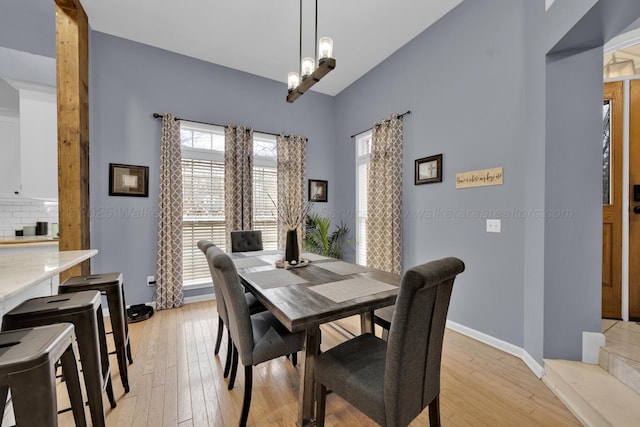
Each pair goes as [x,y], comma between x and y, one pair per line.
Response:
[199,298]
[509,348]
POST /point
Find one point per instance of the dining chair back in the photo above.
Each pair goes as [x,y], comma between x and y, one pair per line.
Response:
[414,350]
[257,338]
[225,277]
[393,381]
[246,240]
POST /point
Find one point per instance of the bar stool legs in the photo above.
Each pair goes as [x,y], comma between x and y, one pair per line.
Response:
[115,301]
[84,311]
[27,368]
[110,285]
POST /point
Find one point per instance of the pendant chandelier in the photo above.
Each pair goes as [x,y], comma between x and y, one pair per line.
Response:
[311,69]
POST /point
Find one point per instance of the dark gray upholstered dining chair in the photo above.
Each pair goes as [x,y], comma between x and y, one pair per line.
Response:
[382,317]
[223,319]
[246,240]
[257,338]
[392,382]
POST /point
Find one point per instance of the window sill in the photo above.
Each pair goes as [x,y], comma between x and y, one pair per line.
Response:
[197,285]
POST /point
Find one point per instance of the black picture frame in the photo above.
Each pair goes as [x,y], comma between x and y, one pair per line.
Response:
[128,180]
[318,190]
[428,170]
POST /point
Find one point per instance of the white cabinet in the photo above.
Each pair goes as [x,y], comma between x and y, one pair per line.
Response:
[35,166]
[39,142]
[9,160]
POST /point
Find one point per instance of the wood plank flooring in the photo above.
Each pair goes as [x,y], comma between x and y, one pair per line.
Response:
[176,380]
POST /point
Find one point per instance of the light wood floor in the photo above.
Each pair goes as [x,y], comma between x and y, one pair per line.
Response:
[177,381]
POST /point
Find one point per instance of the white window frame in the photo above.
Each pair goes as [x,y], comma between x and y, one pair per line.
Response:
[218,156]
[361,211]
[270,163]
[201,154]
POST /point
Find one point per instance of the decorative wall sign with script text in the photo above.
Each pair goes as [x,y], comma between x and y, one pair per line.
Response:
[480,178]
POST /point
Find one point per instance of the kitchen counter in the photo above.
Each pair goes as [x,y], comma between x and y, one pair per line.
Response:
[23,270]
[12,240]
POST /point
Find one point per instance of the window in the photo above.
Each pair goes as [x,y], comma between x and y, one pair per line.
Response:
[265,189]
[203,195]
[606,152]
[363,154]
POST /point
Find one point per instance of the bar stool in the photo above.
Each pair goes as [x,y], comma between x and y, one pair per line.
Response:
[84,310]
[109,284]
[27,367]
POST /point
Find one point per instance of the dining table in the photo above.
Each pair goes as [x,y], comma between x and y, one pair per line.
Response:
[315,291]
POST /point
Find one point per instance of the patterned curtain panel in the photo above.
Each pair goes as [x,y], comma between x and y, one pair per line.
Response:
[384,197]
[238,179]
[169,260]
[292,172]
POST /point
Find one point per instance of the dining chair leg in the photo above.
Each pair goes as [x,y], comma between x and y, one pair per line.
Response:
[234,368]
[294,359]
[434,412]
[4,392]
[219,337]
[321,399]
[227,363]
[246,403]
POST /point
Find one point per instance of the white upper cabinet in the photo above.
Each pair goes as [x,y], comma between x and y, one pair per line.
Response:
[35,165]
[10,153]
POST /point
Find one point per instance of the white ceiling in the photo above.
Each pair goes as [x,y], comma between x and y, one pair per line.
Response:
[262,36]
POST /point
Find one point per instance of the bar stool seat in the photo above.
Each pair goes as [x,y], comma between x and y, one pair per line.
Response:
[109,284]
[84,311]
[27,367]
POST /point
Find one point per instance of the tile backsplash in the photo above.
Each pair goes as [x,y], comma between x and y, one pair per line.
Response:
[14,214]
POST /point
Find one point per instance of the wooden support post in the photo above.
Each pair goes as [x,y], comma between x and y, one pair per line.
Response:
[72,69]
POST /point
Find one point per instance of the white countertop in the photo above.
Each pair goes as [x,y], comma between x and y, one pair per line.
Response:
[19,271]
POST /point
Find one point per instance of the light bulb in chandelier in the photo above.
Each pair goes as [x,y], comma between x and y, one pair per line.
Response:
[308,65]
[293,80]
[325,49]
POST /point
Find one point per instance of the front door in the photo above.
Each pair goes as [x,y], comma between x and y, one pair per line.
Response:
[612,201]
[634,200]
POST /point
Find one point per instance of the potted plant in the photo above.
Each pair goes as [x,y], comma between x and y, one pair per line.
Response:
[318,240]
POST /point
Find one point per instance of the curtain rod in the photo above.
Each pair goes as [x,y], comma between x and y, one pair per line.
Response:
[399,115]
[159,116]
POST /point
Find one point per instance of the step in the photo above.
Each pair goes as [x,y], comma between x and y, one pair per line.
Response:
[621,367]
[594,396]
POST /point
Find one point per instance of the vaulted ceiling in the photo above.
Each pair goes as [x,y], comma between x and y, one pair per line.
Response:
[262,36]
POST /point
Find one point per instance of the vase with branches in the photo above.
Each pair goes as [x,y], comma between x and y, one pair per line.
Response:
[318,240]
[292,215]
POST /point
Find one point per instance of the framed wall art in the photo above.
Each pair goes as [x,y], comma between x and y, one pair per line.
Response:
[128,180]
[318,190]
[429,170]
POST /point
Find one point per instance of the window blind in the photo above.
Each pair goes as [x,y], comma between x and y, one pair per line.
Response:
[265,187]
[203,215]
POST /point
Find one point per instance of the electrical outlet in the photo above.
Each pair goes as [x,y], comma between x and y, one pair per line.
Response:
[151,281]
[493,226]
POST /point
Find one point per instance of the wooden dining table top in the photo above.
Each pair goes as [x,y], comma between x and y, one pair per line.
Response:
[297,305]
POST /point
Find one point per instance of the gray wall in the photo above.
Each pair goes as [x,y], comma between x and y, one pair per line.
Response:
[130,81]
[482,94]
[463,80]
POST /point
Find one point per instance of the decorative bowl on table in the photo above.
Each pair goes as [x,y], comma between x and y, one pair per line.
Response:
[282,263]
